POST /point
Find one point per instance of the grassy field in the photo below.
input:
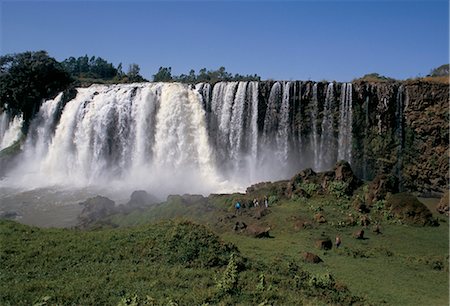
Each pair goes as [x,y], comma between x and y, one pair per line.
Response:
[138,259]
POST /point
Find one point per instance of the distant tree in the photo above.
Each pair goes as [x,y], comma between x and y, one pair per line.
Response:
[134,73]
[94,67]
[26,79]
[164,74]
[440,71]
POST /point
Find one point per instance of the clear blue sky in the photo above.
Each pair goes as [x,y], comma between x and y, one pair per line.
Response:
[333,40]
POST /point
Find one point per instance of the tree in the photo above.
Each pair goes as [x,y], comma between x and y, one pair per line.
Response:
[26,79]
[134,73]
[164,74]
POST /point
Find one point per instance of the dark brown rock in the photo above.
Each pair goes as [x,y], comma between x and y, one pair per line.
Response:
[311,258]
[359,234]
[343,173]
[319,218]
[238,226]
[324,244]
[380,187]
[257,231]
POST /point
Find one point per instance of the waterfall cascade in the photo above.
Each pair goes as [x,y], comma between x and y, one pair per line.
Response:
[169,137]
[10,130]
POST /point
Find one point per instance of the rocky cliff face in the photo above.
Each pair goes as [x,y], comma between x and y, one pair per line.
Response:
[398,128]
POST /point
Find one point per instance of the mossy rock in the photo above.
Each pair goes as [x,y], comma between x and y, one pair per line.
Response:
[408,209]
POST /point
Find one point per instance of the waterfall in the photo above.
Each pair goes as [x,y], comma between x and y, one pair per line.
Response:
[315,134]
[345,123]
[171,138]
[327,143]
[237,124]
[282,136]
[399,134]
[10,129]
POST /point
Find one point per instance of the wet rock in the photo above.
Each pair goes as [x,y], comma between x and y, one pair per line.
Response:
[408,209]
[257,231]
[443,206]
[311,258]
[324,244]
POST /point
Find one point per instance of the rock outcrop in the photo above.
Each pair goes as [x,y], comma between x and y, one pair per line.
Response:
[408,209]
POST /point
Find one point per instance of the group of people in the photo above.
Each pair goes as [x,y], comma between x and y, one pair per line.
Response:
[255,204]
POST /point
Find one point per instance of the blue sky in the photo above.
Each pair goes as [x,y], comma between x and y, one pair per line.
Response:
[282,40]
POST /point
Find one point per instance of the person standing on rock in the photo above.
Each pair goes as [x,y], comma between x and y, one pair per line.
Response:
[338,241]
[237,207]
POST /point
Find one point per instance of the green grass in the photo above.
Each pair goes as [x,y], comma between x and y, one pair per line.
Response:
[186,263]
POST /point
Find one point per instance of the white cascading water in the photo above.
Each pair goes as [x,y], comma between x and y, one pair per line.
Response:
[282,136]
[10,130]
[151,136]
[345,123]
[173,138]
[327,140]
[237,124]
[315,134]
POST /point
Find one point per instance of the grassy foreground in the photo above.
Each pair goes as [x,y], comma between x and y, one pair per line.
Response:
[137,259]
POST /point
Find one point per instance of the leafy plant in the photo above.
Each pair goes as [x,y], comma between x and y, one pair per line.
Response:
[338,188]
[309,188]
[229,281]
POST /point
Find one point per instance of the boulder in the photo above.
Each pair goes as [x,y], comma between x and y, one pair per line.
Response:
[96,208]
[380,186]
[407,208]
[238,226]
[257,231]
[324,244]
[442,207]
[360,205]
[359,234]
[364,220]
[299,225]
[260,212]
[319,218]
[140,199]
[343,173]
[311,258]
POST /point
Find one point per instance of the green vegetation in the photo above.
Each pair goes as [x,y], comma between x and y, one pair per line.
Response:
[93,69]
[164,74]
[134,259]
[26,79]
